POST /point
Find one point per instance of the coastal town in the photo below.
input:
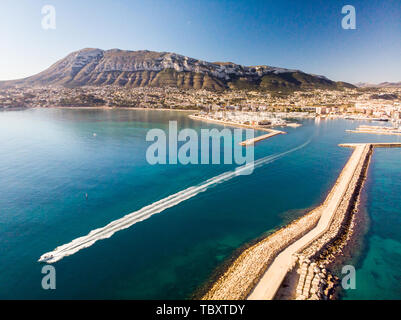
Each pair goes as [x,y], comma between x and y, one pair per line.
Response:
[201,159]
[240,106]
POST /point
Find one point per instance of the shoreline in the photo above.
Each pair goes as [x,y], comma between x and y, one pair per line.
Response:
[110,108]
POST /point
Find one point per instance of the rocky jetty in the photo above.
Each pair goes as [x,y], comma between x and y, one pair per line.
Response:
[318,255]
[295,262]
[242,275]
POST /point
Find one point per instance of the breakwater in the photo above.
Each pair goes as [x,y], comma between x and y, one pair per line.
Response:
[377,130]
[242,276]
[260,138]
[315,281]
[248,142]
[303,249]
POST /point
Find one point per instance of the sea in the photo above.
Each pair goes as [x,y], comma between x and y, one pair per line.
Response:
[67,171]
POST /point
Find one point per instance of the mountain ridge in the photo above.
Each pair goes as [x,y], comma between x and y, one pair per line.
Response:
[144,68]
[379,85]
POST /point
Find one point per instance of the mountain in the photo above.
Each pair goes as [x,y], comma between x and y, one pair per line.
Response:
[389,85]
[160,69]
[364,85]
[380,85]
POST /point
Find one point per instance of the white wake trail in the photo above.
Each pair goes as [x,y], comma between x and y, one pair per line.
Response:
[147,211]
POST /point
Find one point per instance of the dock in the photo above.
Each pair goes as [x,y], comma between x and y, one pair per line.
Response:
[271,132]
[252,141]
[374,145]
[377,130]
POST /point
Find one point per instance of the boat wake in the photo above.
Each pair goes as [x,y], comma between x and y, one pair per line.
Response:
[156,207]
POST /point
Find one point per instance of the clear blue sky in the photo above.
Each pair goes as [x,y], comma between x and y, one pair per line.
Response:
[301,34]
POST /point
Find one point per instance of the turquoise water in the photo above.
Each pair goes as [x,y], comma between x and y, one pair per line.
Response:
[378,270]
[50,158]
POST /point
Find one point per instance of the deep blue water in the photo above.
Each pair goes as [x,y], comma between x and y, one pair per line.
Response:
[50,158]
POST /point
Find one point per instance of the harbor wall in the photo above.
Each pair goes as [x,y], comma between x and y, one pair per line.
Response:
[318,250]
[260,138]
[315,282]
[244,273]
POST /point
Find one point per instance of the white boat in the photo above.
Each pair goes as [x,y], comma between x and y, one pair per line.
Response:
[45,257]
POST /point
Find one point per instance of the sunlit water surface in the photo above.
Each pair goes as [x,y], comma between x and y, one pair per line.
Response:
[50,159]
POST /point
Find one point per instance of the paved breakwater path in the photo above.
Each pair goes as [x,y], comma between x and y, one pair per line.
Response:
[259,271]
[248,142]
[252,141]
[379,130]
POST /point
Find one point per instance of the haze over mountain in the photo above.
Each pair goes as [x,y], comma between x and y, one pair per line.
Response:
[163,69]
[380,85]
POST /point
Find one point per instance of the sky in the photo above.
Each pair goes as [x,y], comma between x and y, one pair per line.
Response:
[297,34]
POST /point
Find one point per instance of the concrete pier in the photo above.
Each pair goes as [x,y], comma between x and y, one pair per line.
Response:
[377,130]
[252,141]
[374,145]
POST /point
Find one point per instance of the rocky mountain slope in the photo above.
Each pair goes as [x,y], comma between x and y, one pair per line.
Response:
[159,69]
